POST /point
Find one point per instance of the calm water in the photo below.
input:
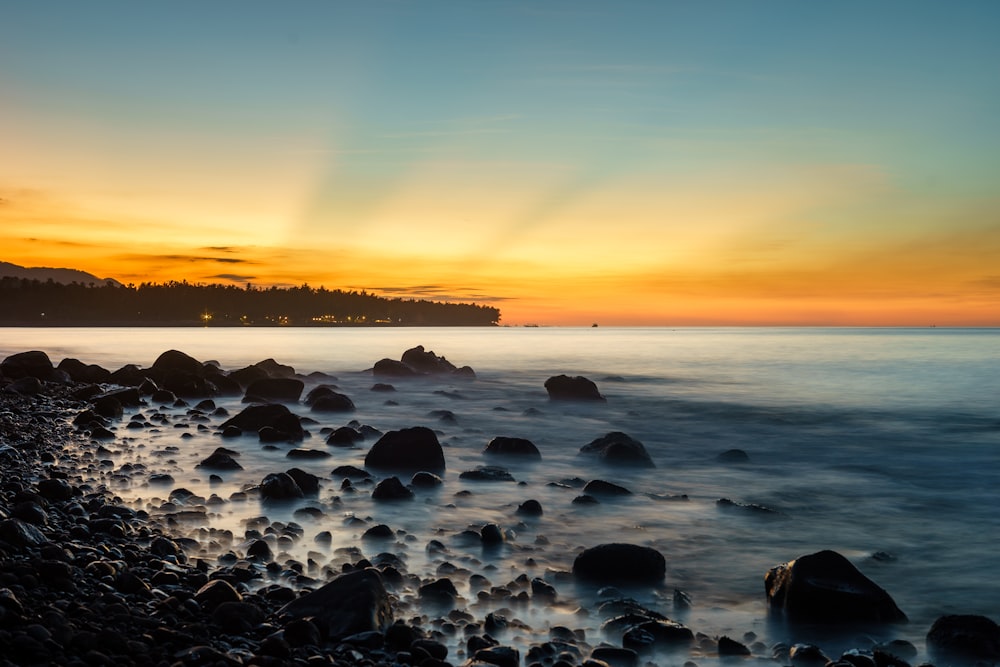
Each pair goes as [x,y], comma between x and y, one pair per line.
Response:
[863,441]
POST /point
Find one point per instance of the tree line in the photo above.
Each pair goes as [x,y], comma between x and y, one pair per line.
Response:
[36,303]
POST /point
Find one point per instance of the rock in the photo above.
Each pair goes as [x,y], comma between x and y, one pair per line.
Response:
[215,592]
[344,436]
[220,459]
[825,587]
[259,550]
[333,402]
[519,447]
[598,487]
[81,372]
[488,474]
[55,489]
[284,425]
[307,454]
[426,480]
[617,448]
[391,489]
[409,450]
[34,364]
[174,361]
[392,368]
[382,387]
[425,361]
[566,388]
[352,603]
[439,591]
[729,646]
[615,656]
[530,507]
[620,563]
[26,386]
[965,636]
[280,486]
[501,656]
[236,618]
[20,533]
[286,390]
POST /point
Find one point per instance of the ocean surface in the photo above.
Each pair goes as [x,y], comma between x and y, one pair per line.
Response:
[881,444]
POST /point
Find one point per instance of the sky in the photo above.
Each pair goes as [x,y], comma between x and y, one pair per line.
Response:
[667,163]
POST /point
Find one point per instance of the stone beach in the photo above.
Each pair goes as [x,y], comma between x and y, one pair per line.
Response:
[89,579]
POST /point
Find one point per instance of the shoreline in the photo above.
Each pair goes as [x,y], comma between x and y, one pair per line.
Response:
[85,579]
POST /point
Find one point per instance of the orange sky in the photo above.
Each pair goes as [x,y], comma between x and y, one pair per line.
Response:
[699,173]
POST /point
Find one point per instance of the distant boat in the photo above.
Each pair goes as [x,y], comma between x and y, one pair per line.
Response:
[594,325]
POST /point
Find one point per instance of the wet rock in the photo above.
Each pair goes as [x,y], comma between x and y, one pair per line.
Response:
[425,361]
[515,447]
[598,487]
[344,436]
[26,386]
[410,450]
[426,480]
[352,603]
[530,507]
[175,361]
[392,368]
[732,647]
[825,587]
[807,655]
[965,636]
[620,563]
[351,472]
[86,373]
[55,489]
[620,449]
[615,656]
[215,592]
[282,389]
[259,550]
[220,459]
[382,387]
[281,423]
[488,474]
[21,534]
[307,454]
[566,388]
[439,591]
[34,364]
[501,656]
[391,489]
[237,618]
[726,503]
[333,402]
[108,407]
[279,486]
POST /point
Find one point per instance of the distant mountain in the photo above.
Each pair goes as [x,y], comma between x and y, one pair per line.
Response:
[44,274]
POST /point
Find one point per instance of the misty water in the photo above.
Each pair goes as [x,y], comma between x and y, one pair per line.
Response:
[881,444]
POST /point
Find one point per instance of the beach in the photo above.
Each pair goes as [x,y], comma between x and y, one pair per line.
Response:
[114,540]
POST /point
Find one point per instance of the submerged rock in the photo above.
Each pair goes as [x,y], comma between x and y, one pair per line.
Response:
[566,388]
[514,447]
[409,449]
[620,563]
[965,636]
[825,587]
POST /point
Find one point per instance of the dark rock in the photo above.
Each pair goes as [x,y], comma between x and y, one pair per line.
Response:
[108,407]
[259,550]
[307,454]
[425,361]
[21,534]
[566,388]
[345,436]
[617,448]
[615,656]
[129,375]
[282,389]
[55,489]
[382,387]
[26,386]
[353,602]
[318,392]
[729,646]
[599,487]
[333,402]
[620,563]
[965,636]
[439,591]
[34,364]
[424,479]
[392,368]
[163,397]
[173,361]
[410,450]
[220,460]
[280,486]
[378,532]
[391,489]
[81,372]
[129,397]
[282,424]
[488,474]
[530,507]
[825,587]
[501,656]
[237,617]
[308,482]
[215,592]
[351,472]
[491,534]
[519,447]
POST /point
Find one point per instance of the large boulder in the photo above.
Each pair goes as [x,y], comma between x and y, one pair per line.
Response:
[965,636]
[408,450]
[425,361]
[514,447]
[392,368]
[352,603]
[617,448]
[620,563]
[283,389]
[333,402]
[281,423]
[566,388]
[81,372]
[175,361]
[279,486]
[34,364]
[825,587]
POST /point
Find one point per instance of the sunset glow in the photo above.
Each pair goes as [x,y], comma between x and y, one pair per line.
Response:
[638,163]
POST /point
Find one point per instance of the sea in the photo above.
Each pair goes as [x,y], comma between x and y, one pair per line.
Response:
[882,444]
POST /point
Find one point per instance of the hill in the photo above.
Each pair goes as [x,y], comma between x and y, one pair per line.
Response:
[44,274]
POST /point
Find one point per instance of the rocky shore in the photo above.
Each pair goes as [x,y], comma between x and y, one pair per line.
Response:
[86,579]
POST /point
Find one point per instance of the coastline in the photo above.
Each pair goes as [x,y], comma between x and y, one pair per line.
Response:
[89,580]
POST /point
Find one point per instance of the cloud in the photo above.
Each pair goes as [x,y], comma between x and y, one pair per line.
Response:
[233,277]
[186,258]
[437,292]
